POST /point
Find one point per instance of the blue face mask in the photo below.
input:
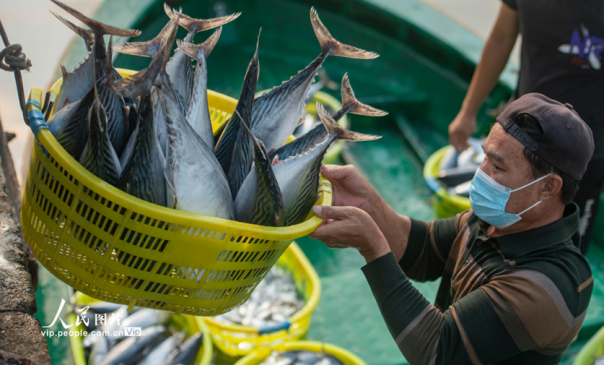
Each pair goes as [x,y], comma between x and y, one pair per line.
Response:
[488,199]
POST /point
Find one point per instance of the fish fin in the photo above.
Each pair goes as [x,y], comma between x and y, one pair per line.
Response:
[87,34]
[198,25]
[141,82]
[275,160]
[64,73]
[349,100]
[170,185]
[324,78]
[330,45]
[302,119]
[197,51]
[98,27]
[333,128]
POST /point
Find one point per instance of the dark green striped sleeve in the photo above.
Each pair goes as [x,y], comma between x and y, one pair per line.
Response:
[490,324]
[428,248]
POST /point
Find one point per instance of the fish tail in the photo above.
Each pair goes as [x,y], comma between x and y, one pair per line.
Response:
[327,82]
[140,83]
[197,25]
[331,46]
[149,48]
[87,34]
[350,102]
[98,27]
[340,133]
[202,50]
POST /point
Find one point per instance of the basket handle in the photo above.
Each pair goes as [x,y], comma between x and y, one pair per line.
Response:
[34,111]
[274,328]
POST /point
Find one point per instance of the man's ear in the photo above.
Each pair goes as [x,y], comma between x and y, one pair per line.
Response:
[552,187]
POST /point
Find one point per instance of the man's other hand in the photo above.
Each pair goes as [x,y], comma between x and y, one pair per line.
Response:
[460,130]
[350,227]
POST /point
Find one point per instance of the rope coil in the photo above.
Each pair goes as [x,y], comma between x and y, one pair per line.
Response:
[12,59]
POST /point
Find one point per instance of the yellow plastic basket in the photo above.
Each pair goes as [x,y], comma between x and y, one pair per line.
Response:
[190,324]
[235,341]
[117,248]
[347,357]
[445,205]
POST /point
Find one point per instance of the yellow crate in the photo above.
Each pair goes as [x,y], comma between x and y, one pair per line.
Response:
[236,340]
[190,324]
[347,357]
[118,248]
[445,205]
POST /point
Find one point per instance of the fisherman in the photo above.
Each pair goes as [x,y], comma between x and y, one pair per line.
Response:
[561,57]
[515,287]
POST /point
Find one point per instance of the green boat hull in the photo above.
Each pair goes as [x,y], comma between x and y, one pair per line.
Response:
[425,65]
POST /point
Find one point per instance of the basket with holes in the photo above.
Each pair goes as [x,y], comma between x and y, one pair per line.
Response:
[117,248]
[346,357]
[233,341]
[190,324]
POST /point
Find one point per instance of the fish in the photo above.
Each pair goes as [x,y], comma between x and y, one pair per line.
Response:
[449,160]
[98,156]
[298,176]
[195,180]
[75,85]
[106,307]
[260,201]
[144,318]
[198,114]
[99,351]
[161,354]
[143,170]
[277,113]
[234,148]
[457,175]
[274,301]
[130,347]
[350,104]
[301,357]
[185,353]
[69,125]
[462,189]
[180,67]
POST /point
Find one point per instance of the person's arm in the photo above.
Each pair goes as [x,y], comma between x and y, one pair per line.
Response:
[517,311]
[494,57]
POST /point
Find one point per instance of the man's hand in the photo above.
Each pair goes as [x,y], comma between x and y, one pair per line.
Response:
[460,130]
[349,187]
[350,227]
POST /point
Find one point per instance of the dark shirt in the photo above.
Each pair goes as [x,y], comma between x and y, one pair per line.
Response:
[561,56]
[517,299]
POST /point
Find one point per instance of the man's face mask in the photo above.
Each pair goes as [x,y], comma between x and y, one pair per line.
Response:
[488,199]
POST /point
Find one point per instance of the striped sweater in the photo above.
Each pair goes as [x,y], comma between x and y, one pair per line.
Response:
[517,299]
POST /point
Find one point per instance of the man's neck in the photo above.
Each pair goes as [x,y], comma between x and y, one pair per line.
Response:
[555,214]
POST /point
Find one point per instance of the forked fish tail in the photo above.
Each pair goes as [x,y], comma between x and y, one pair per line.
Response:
[337,132]
[331,46]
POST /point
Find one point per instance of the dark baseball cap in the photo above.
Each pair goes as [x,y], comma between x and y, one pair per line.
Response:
[567,142]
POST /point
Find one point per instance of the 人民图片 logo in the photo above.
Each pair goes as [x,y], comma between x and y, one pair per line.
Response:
[588,49]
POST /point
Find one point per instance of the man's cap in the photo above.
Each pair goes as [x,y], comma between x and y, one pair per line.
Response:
[567,142]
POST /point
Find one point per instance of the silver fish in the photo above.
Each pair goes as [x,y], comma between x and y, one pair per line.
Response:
[298,176]
[143,318]
[69,126]
[143,174]
[350,104]
[187,351]
[180,67]
[259,201]
[234,148]
[99,351]
[128,348]
[77,84]
[198,114]
[225,147]
[273,302]
[161,354]
[196,182]
[98,156]
[277,113]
